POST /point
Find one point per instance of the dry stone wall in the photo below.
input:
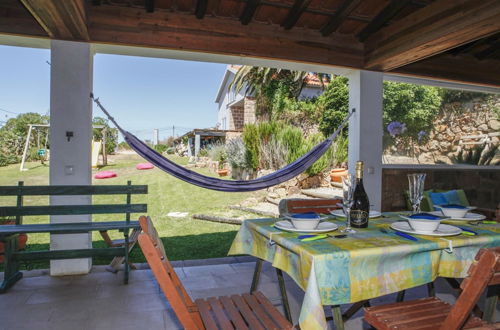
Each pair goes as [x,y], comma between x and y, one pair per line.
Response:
[457,121]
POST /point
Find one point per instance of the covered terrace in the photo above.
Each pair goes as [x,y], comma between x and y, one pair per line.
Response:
[448,43]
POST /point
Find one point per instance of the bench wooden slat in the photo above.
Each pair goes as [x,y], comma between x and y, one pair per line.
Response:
[73,190]
[222,319]
[72,209]
[75,227]
[206,316]
[67,254]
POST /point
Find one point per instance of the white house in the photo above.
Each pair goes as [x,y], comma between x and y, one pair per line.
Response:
[235,109]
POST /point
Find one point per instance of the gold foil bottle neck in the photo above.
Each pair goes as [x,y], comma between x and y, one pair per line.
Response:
[359,169]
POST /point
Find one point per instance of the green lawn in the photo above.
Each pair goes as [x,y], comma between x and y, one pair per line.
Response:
[184,238]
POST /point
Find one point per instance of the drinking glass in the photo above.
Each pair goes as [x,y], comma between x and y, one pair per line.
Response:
[348,185]
[416,192]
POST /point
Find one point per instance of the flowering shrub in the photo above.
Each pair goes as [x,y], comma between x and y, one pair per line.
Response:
[396,128]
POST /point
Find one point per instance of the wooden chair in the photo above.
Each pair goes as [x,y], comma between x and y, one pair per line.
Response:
[247,311]
[291,206]
[433,313]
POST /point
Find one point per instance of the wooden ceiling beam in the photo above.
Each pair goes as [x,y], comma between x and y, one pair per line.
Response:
[443,25]
[491,51]
[201,8]
[389,11]
[150,5]
[133,27]
[60,19]
[249,11]
[342,13]
[462,69]
[298,8]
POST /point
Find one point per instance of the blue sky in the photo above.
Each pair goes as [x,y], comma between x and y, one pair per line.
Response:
[141,93]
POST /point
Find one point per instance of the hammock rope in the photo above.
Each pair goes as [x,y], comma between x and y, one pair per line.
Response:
[284,174]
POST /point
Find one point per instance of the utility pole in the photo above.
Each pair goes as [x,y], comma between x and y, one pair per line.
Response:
[173,131]
[156,136]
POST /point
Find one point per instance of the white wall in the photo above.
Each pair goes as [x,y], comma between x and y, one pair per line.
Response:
[228,96]
[70,161]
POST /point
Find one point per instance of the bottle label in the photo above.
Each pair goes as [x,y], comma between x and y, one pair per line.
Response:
[359,217]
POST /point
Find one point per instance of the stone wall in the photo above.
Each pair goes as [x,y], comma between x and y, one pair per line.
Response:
[482,187]
[456,121]
[249,111]
[236,118]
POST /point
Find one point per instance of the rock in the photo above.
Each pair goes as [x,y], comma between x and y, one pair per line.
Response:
[494,124]
[249,202]
[425,158]
[483,127]
[281,192]
[441,128]
[294,191]
[273,195]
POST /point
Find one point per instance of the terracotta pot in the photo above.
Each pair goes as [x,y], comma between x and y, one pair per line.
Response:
[337,173]
[223,172]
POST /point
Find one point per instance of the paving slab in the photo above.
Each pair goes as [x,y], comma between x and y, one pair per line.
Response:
[100,300]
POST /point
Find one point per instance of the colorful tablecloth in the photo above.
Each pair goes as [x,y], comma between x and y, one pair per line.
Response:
[364,265]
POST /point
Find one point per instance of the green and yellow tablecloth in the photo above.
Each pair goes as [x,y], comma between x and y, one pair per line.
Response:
[362,266]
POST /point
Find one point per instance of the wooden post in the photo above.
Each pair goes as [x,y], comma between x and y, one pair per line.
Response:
[26,147]
[19,218]
[104,151]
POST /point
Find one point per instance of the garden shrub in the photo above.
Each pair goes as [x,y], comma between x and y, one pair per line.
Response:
[251,139]
[236,153]
[170,151]
[111,134]
[333,105]
[161,148]
[218,153]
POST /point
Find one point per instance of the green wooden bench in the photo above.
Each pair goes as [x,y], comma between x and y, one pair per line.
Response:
[9,233]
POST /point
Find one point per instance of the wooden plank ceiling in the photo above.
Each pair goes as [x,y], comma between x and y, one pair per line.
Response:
[449,39]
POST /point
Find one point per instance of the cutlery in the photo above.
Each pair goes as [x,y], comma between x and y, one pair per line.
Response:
[490,222]
[467,231]
[411,238]
[314,238]
[308,238]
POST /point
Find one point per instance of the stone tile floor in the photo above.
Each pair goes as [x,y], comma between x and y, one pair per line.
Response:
[100,300]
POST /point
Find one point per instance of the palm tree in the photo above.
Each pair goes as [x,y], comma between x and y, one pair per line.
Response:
[263,82]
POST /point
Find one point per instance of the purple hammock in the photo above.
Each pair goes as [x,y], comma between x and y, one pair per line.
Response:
[284,174]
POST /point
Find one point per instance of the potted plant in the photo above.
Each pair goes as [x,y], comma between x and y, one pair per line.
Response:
[21,239]
[218,153]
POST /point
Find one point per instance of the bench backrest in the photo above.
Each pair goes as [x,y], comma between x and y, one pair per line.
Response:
[301,205]
[485,271]
[21,190]
[154,251]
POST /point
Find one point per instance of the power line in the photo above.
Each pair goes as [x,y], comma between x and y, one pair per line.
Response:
[15,113]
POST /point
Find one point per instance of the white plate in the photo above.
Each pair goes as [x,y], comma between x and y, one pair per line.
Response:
[443,230]
[323,227]
[340,213]
[468,217]
[321,217]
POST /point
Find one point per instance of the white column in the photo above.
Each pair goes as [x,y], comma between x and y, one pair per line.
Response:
[365,130]
[197,143]
[70,156]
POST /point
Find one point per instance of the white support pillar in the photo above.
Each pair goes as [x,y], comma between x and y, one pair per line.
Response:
[365,130]
[197,144]
[70,142]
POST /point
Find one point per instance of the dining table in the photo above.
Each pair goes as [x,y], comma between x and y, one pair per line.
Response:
[369,263]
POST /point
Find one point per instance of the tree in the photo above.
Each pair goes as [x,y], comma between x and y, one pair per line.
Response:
[13,136]
[111,133]
[333,105]
[269,86]
[410,109]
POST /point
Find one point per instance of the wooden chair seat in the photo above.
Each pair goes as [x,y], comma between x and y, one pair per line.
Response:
[421,314]
[433,313]
[247,311]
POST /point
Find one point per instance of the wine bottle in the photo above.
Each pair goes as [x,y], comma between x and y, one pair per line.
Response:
[361,206]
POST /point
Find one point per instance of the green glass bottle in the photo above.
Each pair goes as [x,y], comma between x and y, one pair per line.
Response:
[360,209]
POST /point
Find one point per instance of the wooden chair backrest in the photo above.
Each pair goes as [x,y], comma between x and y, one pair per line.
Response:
[300,205]
[485,271]
[154,251]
